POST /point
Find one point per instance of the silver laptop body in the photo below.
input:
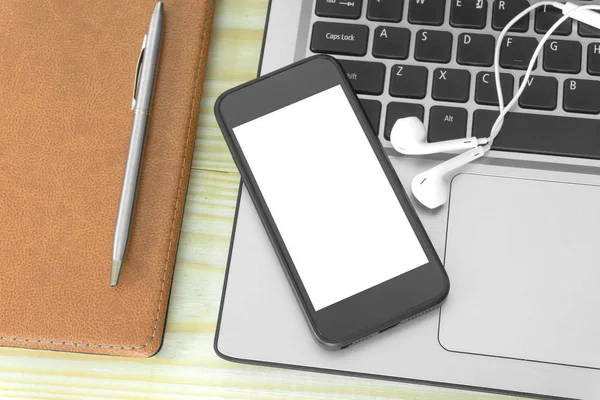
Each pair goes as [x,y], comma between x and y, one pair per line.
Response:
[519,239]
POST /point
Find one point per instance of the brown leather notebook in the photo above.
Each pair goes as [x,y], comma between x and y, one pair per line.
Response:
[66,78]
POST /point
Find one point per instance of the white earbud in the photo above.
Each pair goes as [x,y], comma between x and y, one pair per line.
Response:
[409,137]
[431,187]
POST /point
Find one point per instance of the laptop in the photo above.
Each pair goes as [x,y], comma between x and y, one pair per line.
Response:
[519,236]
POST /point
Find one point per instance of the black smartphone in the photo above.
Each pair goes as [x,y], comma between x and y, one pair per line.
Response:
[345,232]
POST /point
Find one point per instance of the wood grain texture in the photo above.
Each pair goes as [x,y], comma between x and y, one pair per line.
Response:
[187,367]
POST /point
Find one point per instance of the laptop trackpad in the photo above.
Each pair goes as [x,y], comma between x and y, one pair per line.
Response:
[524,266]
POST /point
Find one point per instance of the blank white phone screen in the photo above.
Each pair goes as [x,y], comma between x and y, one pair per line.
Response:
[331,201]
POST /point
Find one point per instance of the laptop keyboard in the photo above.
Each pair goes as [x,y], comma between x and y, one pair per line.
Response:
[433,59]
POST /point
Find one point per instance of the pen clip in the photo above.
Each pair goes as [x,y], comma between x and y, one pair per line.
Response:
[138,70]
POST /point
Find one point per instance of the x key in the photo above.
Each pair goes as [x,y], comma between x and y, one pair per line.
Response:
[451,85]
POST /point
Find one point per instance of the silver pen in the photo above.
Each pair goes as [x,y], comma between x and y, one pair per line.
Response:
[142,95]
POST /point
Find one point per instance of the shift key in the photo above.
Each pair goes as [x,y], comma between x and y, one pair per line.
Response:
[336,38]
[365,77]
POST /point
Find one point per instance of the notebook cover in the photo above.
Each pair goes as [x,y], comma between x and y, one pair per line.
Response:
[66,79]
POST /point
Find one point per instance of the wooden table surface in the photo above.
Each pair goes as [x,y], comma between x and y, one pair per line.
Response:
[187,366]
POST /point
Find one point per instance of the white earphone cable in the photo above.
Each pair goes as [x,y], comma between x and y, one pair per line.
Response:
[504,110]
[429,187]
[501,39]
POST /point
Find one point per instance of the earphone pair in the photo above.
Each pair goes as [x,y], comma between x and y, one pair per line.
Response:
[409,135]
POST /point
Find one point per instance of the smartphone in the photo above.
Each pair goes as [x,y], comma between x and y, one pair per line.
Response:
[352,246]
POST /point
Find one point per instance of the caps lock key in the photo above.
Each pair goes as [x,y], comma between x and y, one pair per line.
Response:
[336,38]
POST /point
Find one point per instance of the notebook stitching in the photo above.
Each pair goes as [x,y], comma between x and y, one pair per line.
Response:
[179,192]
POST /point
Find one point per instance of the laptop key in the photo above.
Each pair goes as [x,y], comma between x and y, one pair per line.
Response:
[540,93]
[485,88]
[581,96]
[390,42]
[586,30]
[505,10]
[433,46]
[468,13]
[426,12]
[338,38]
[365,77]
[395,111]
[593,62]
[385,10]
[562,56]
[408,81]
[447,123]
[339,8]
[451,85]
[372,109]
[547,16]
[542,134]
[517,51]
[476,49]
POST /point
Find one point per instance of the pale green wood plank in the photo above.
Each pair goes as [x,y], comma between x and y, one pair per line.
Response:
[234,58]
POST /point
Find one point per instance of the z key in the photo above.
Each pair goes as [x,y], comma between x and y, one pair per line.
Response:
[409,81]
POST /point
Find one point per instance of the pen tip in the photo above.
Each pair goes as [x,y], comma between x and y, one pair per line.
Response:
[159,6]
[114,272]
